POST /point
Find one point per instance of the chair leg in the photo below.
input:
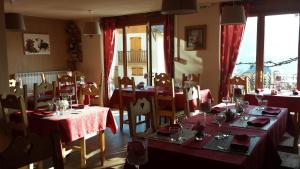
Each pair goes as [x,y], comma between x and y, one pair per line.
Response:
[83,153]
[102,147]
[121,119]
[158,120]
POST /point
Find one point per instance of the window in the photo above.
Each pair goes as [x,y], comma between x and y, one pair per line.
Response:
[279,55]
[246,61]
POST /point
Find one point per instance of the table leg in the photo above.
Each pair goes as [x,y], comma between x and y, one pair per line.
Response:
[102,146]
[83,152]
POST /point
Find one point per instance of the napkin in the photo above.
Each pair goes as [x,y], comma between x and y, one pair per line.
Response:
[78,106]
[41,113]
[216,110]
[240,142]
[271,111]
[136,148]
[259,122]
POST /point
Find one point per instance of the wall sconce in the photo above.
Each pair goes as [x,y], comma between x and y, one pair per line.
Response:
[234,14]
[178,7]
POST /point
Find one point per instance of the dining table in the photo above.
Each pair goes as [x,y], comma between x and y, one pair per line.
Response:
[149,91]
[74,124]
[213,153]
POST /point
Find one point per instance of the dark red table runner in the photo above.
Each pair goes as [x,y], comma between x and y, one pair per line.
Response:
[192,155]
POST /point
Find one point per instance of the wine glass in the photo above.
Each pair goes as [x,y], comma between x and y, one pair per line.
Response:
[180,122]
[220,119]
[137,151]
[56,101]
[259,96]
[226,100]
[245,105]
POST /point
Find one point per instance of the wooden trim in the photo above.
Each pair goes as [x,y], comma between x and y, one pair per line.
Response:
[260,51]
[298,73]
[271,7]
[149,59]
[124,51]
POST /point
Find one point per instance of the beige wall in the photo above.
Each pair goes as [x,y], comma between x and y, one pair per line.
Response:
[57,60]
[205,62]
[91,64]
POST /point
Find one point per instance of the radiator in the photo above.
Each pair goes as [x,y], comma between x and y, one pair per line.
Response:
[29,78]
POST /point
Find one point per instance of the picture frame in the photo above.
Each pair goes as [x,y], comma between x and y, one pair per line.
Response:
[36,44]
[195,37]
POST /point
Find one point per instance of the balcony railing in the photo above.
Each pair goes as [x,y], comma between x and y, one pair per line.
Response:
[134,56]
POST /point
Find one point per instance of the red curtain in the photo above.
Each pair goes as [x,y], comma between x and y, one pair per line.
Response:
[108,26]
[230,43]
[169,44]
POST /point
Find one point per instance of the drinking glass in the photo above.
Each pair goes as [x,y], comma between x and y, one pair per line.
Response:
[137,151]
[180,122]
[259,96]
[245,105]
[220,119]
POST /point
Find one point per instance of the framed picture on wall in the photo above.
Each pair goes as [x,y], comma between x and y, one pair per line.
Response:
[195,37]
[36,44]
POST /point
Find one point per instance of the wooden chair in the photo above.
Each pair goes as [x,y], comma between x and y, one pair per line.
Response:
[19,91]
[192,100]
[67,86]
[24,150]
[43,93]
[190,79]
[142,107]
[125,97]
[238,86]
[91,92]
[165,99]
[78,75]
[14,104]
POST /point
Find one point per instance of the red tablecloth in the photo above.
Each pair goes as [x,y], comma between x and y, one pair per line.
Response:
[149,92]
[75,124]
[192,155]
[290,102]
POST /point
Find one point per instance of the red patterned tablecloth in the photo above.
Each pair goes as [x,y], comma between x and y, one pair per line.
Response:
[74,124]
[149,92]
[192,154]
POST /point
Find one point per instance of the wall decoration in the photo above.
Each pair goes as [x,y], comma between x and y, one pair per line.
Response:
[195,37]
[36,44]
[74,45]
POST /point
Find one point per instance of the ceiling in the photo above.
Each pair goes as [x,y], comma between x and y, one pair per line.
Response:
[78,9]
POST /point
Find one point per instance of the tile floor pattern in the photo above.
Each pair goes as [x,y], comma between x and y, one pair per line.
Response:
[116,152]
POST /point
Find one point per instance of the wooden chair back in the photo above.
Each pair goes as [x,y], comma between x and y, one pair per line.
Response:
[78,75]
[44,89]
[93,92]
[238,86]
[192,99]
[11,104]
[125,96]
[144,107]
[190,80]
[19,90]
[67,85]
[164,98]
[24,150]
